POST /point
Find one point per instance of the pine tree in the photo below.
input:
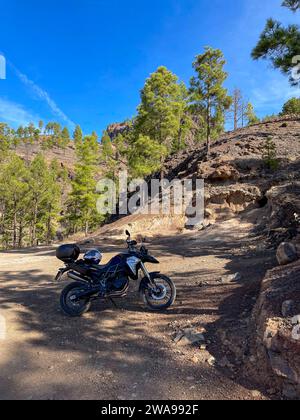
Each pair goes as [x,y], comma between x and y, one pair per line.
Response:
[145,158]
[28,136]
[209,98]
[270,154]
[33,133]
[38,188]
[15,140]
[291,107]
[54,135]
[280,44]
[161,116]
[294,5]
[14,199]
[120,143]
[162,108]
[6,139]
[107,148]
[82,211]
[108,157]
[50,205]
[60,171]
[77,135]
[250,115]
[64,138]
[95,135]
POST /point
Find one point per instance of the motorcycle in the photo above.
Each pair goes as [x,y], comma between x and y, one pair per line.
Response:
[94,281]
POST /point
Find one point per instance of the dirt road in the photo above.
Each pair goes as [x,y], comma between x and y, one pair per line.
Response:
[129,353]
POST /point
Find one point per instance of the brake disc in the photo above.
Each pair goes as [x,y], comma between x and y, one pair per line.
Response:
[162,294]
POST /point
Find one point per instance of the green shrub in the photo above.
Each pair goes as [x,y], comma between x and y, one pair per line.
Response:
[270,155]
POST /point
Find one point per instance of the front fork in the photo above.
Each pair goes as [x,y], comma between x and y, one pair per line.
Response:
[147,275]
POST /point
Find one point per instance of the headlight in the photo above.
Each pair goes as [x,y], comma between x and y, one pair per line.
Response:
[133,263]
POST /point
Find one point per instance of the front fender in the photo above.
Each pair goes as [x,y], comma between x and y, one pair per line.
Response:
[150,259]
[145,281]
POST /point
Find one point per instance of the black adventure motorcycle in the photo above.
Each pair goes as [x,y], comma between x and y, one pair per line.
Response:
[94,281]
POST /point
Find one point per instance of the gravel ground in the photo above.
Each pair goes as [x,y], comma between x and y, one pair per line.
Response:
[129,352]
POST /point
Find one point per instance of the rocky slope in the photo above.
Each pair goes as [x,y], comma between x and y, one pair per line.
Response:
[237,179]
[235,174]
[66,157]
[238,183]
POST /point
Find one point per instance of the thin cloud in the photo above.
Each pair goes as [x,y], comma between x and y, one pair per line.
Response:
[276,91]
[16,114]
[43,96]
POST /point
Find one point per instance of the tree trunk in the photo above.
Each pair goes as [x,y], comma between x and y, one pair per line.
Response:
[208,134]
[20,242]
[48,238]
[235,114]
[15,226]
[162,171]
[33,238]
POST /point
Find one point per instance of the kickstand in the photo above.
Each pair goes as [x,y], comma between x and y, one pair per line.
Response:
[114,303]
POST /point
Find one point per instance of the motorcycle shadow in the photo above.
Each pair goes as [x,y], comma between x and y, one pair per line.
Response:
[132,303]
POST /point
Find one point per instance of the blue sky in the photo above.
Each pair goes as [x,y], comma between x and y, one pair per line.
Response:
[85,61]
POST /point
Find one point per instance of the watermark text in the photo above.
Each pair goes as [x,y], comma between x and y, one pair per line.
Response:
[157,197]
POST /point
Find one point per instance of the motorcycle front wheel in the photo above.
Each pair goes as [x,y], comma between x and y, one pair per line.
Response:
[163,296]
[69,304]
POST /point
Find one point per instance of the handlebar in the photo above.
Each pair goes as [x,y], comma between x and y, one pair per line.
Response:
[133,244]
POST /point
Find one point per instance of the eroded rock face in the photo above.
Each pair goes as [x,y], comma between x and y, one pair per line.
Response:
[219,171]
[115,129]
[277,346]
[225,201]
[284,205]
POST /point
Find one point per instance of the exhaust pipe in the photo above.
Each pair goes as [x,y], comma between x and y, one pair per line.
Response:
[75,277]
[89,292]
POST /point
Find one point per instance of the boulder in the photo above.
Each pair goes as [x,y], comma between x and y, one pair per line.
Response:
[189,337]
[296,320]
[231,278]
[224,173]
[286,253]
[296,333]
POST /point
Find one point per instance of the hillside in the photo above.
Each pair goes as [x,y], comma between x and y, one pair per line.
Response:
[64,156]
[244,199]
[229,291]
[236,176]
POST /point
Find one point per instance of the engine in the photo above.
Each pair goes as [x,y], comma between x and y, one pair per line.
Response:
[118,284]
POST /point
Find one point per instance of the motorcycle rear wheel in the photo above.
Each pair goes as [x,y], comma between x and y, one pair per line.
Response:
[165,295]
[71,307]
